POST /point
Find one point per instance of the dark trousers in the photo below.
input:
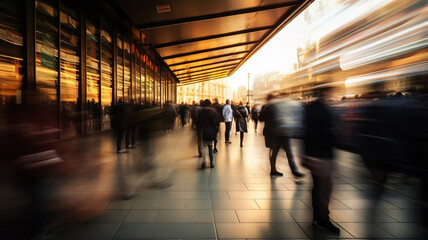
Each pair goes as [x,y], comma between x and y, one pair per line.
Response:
[120,133]
[227,131]
[209,145]
[200,141]
[130,136]
[255,124]
[321,197]
[284,142]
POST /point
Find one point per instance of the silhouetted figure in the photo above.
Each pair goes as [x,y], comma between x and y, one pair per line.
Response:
[172,115]
[318,148]
[282,117]
[255,116]
[241,119]
[209,122]
[131,110]
[228,115]
[200,140]
[120,113]
[219,110]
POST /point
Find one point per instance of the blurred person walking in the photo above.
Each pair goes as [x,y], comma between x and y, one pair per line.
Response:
[120,113]
[219,110]
[171,115]
[241,119]
[182,110]
[255,116]
[209,123]
[318,150]
[198,111]
[283,118]
[227,114]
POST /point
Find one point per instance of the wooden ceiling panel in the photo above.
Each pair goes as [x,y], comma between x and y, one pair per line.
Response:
[203,40]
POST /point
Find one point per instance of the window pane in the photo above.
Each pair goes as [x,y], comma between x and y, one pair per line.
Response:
[47,49]
[106,71]
[92,74]
[70,65]
[119,69]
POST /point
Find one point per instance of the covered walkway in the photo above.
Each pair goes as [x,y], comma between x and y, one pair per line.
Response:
[235,200]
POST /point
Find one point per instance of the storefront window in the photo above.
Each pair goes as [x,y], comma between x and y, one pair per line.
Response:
[137,64]
[11,52]
[119,85]
[70,68]
[47,49]
[92,73]
[127,73]
[106,71]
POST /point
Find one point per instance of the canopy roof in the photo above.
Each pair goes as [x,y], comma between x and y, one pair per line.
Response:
[202,40]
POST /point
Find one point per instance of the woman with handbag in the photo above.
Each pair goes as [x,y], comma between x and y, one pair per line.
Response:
[241,118]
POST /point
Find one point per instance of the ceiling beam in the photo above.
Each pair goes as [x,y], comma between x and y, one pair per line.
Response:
[208,58]
[219,71]
[205,71]
[210,50]
[230,60]
[192,40]
[207,78]
[221,66]
[215,15]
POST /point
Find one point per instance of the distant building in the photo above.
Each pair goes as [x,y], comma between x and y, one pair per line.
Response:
[219,89]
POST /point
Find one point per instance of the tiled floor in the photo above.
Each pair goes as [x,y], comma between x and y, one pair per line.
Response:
[235,200]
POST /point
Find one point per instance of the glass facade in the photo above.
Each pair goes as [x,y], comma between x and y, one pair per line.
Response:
[106,70]
[11,52]
[84,61]
[70,67]
[47,49]
[119,66]
[92,71]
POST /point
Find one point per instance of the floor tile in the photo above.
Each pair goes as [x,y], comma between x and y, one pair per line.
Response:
[110,216]
[234,204]
[289,231]
[166,230]
[301,215]
[405,230]
[185,216]
[360,216]
[121,204]
[334,204]
[217,195]
[365,230]
[367,204]
[260,216]
[316,233]
[71,231]
[248,194]
[159,204]
[225,216]
[198,204]
[141,216]
[99,231]
[245,230]
[265,187]
[281,204]
[408,216]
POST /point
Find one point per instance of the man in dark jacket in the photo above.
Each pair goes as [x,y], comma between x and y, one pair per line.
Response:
[209,123]
[319,144]
[120,112]
[219,110]
[275,140]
